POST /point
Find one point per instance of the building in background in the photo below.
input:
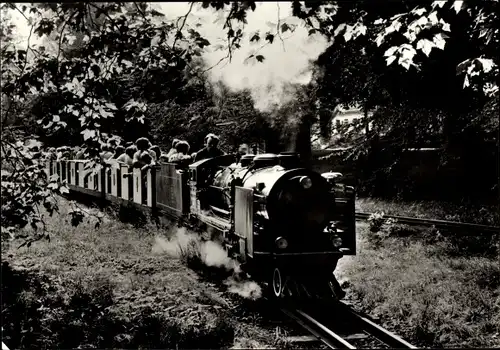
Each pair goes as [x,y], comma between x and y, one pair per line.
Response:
[340,118]
[347,116]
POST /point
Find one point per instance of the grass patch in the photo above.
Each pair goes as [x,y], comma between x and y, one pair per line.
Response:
[120,286]
[461,212]
[111,287]
[424,293]
[445,243]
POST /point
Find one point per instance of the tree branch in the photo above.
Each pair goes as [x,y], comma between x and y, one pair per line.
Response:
[22,71]
[61,35]
[228,25]
[105,14]
[140,11]
[278,27]
[179,30]
[222,59]
[262,46]
[14,7]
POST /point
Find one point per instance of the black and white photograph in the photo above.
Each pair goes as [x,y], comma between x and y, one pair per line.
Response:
[250,175]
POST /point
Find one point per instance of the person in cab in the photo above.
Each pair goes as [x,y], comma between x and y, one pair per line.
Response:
[211,148]
[242,150]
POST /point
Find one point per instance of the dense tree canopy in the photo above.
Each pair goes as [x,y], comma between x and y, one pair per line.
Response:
[123,69]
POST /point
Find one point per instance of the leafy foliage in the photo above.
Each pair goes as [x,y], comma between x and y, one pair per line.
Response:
[112,71]
[425,104]
[99,76]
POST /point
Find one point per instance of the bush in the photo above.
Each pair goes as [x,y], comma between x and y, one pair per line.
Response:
[376,220]
[36,314]
[380,228]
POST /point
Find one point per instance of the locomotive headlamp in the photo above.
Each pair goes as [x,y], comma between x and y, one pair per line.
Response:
[337,241]
[281,243]
[306,182]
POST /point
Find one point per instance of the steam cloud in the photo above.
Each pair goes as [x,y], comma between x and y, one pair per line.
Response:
[286,61]
[184,243]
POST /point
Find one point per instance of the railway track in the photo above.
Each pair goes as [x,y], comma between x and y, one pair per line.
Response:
[343,328]
[440,224]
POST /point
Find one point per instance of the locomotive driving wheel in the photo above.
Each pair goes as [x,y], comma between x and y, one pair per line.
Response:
[277,283]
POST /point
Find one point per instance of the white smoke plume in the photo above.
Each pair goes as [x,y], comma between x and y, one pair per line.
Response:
[183,243]
[245,289]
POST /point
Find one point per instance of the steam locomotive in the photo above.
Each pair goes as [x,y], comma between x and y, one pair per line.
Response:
[287,225]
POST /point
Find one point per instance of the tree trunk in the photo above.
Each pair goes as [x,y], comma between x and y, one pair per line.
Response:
[367,122]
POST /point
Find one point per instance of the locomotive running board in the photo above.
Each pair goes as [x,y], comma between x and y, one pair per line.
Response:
[217,223]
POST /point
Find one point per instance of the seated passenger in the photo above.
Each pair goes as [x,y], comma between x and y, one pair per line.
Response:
[181,156]
[142,145]
[242,150]
[155,151]
[146,159]
[66,154]
[128,156]
[164,158]
[80,154]
[210,150]
[59,153]
[106,152]
[119,150]
[173,150]
[63,153]
[52,153]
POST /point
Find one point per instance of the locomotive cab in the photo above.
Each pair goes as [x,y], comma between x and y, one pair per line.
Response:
[205,195]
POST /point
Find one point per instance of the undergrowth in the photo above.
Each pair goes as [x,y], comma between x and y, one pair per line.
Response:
[448,243]
[39,311]
[425,286]
[111,287]
[105,288]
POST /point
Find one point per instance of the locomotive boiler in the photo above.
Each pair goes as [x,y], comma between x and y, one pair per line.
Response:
[288,225]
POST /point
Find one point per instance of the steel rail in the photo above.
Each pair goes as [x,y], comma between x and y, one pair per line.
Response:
[322,333]
[382,334]
[435,222]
